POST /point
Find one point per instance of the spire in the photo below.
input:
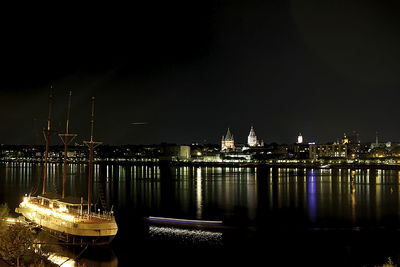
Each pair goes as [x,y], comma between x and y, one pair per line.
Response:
[252,138]
[228,136]
[252,132]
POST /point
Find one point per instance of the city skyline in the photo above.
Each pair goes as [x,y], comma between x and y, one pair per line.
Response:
[190,70]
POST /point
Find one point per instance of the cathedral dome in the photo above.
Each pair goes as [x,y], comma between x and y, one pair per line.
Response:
[252,138]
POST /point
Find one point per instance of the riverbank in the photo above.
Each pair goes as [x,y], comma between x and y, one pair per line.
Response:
[307,164]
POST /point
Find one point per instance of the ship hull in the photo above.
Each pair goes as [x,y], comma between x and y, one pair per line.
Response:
[69,239]
[91,233]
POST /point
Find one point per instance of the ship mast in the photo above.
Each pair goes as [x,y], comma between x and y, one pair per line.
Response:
[47,138]
[66,140]
[91,144]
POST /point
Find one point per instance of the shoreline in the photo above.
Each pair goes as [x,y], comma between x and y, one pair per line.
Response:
[287,164]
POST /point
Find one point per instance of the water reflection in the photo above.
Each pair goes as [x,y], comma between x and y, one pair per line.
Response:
[62,255]
[186,236]
[350,197]
[312,196]
[264,197]
[355,196]
[199,193]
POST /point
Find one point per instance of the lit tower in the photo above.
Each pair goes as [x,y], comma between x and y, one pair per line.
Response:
[299,139]
[227,142]
[345,140]
[252,139]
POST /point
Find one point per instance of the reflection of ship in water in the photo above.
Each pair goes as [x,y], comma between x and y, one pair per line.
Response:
[67,218]
[72,256]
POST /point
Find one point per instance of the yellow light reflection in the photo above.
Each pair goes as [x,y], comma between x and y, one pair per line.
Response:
[199,194]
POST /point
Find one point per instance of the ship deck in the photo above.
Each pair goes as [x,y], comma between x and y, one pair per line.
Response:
[61,207]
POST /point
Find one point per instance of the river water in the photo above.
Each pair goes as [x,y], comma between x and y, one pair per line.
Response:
[276,216]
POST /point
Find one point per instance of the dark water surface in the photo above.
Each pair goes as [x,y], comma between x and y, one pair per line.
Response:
[277,216]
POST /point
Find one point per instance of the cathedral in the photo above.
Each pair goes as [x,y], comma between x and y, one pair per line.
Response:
[228,143]
[252,140]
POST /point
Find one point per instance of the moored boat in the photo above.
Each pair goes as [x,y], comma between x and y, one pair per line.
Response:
[69,219]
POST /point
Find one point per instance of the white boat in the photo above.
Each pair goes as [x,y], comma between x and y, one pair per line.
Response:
[69,221]
[67,218]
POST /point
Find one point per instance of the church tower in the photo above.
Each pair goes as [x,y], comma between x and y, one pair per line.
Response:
[252,138]
[228,142]
[299,139]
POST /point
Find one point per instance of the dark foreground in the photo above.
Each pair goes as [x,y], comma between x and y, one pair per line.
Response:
[261,247]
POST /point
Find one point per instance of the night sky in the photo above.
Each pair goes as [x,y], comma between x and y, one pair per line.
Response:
[191,69]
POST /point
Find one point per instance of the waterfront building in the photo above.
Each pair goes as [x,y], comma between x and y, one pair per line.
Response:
[354,138]
[395,152]
[378,152]
[236,157]
[228,142]
[298,150]
[328,151]
[174,152]
[378,144]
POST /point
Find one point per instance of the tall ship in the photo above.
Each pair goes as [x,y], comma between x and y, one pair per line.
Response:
[67,218]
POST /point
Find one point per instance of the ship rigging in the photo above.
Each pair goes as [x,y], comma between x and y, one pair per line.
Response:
[66,217]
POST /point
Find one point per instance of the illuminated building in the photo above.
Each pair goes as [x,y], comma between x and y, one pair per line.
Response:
[377,144]
[175,152]
[252,138]
[228,142]
[299,139]
[328,151]
[395,152]
[298,151]
[378,152]
[345,140]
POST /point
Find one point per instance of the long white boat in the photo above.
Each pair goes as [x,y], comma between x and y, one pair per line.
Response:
[68,221]
[67,218]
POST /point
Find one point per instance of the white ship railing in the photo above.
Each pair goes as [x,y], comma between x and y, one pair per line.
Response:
[73,215]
